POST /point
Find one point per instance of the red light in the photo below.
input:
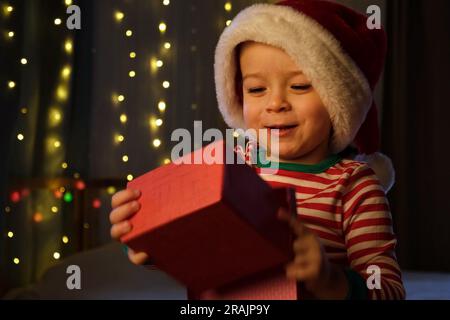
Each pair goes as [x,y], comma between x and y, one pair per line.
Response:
[58,194]
[80,185]
[96,203]
[15,197]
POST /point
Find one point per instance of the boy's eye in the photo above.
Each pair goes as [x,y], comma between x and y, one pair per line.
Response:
[301,87]
[256,90]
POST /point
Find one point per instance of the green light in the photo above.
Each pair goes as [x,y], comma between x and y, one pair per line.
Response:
[68,197]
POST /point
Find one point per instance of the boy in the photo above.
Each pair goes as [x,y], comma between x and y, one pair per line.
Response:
[305,70]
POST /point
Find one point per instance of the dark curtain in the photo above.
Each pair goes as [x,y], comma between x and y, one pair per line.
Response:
[416,130]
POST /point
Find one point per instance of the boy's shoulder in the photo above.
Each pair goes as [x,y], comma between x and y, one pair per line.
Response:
[358,173]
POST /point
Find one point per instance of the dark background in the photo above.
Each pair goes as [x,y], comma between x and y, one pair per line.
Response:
[412,97]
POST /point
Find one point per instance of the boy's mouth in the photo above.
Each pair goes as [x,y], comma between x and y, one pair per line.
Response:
[281,130]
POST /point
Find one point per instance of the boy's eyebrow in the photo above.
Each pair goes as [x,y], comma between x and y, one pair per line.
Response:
[260,75]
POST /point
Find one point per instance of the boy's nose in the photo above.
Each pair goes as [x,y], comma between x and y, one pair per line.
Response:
[278,104]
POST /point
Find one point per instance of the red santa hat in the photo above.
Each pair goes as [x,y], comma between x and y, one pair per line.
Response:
[335,49]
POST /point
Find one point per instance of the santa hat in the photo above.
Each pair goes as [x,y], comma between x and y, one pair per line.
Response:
[335,49]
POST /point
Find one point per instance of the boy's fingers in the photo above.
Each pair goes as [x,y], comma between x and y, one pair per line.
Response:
[124,211]
[119,229]
[137,258]
[124,196]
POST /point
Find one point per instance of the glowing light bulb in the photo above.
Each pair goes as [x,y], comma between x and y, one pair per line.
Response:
[56,255]
[125,158]
[57,21]
[166,84]
[118,15]
[23,61]
[162,106]
[65,239]
[132,55]
[129,177]
[167,45]
[156,143]
[129,33]
[228,6]
[20,137]
[162,27]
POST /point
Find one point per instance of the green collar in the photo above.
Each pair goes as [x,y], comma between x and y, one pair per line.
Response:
[305,168]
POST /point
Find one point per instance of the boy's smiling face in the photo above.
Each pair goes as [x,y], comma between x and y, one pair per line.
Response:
[276,94]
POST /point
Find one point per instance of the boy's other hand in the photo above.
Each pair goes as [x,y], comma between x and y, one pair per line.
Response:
[124,205]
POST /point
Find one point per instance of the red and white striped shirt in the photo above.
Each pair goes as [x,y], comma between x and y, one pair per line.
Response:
[343,203]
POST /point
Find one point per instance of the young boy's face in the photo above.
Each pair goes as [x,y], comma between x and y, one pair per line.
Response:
[277,95]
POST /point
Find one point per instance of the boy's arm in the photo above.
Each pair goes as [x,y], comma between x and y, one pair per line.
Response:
[369,236]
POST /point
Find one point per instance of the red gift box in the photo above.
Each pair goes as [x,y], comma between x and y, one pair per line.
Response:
[210,225]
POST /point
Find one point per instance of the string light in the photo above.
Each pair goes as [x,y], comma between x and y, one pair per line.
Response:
[20,137]
[96,204]
[56,255]
[167,45]
[80,185]
[162,106]
[7,209]
[123,118]
[38,217]
[130,177]
[128,33]
[121,98]
[228,6]
[118,15]
[162,27]
[68,2]
[54,117]
[156,143]
[57,21]
[65,73]
[166,84]
[68,197]
[132,74]
[65,239]
[68,46]
[8,9]
[125,158]
[64,165]
[24,110]
[158,122]
[16,260]
[10,234]
[55,209]
[166,161]
[159,63]
[57,144]
[166,2]
[11,84]
[228,22]
[111,190]
[11,34]
[23,61]
[118,138]
[132,55]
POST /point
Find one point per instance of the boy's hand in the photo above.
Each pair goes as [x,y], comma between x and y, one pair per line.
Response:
[124,204]
[311,266]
